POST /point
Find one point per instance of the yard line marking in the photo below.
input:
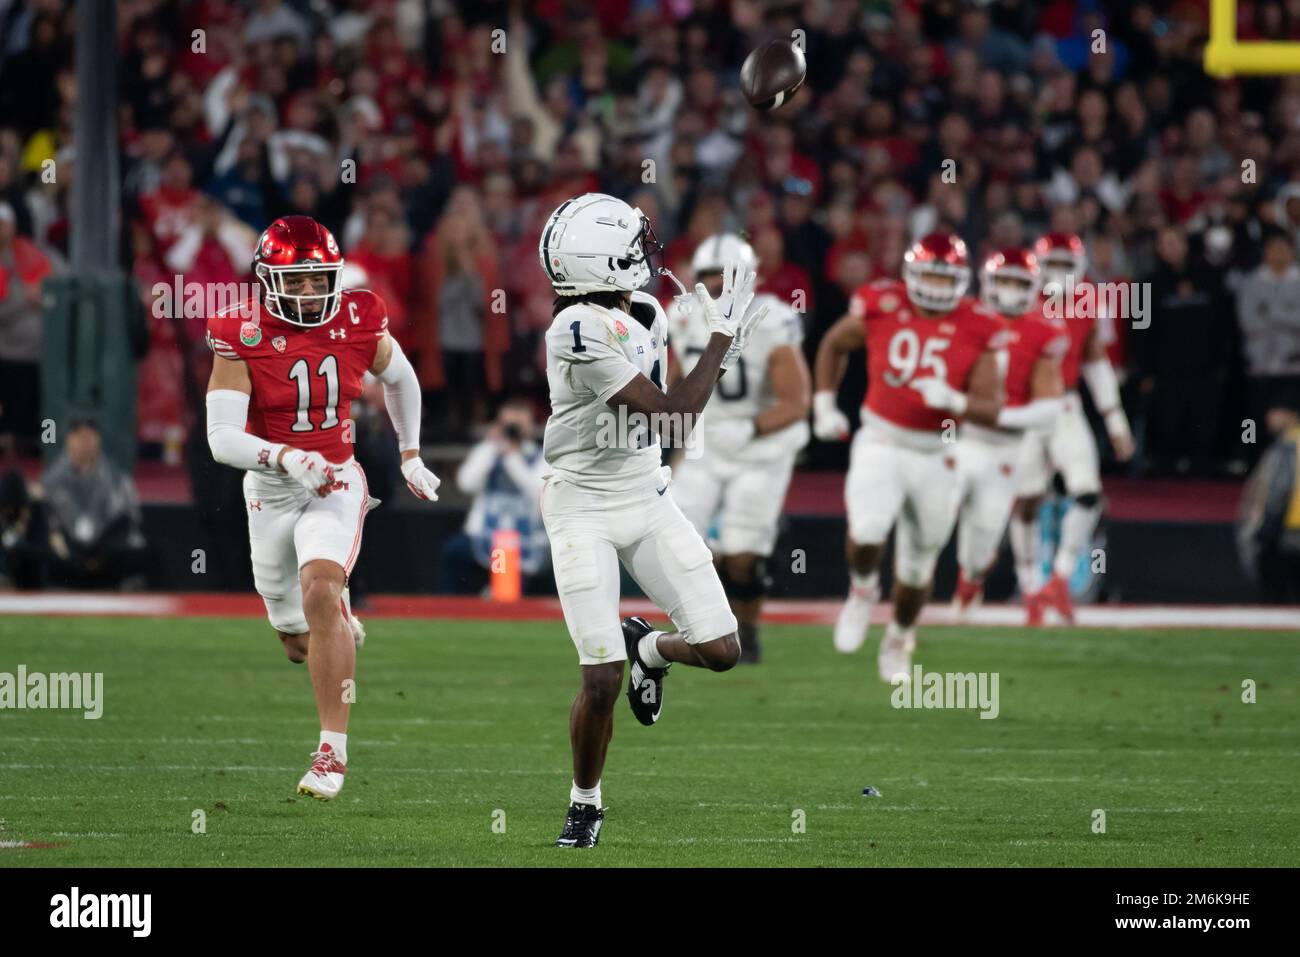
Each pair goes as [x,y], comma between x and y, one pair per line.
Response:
[423,607]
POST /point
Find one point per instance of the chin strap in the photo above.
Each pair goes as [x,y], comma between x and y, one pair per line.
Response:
[665,271]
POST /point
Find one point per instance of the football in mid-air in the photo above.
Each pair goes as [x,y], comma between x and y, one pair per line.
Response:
[772,74]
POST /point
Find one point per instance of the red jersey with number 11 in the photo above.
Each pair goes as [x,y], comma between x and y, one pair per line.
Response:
[304,378]
[903,346]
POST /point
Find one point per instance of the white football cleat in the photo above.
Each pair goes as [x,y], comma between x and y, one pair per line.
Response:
[895,655]
[324,779]
[358,630]
[855,618]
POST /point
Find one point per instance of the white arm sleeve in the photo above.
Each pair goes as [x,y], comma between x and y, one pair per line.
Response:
[1036,414]
[402,398]
[230,444]
[1102,384]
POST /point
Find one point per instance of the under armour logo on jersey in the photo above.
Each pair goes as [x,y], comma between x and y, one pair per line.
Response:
[255,505]
[338,333]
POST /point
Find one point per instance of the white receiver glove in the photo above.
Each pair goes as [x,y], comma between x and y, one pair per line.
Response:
[310,470]
[724,313]
[937,394]
[829,423]
[748,323]
[422,483]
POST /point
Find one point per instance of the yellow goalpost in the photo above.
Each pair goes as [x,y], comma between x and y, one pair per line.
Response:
[1224,56]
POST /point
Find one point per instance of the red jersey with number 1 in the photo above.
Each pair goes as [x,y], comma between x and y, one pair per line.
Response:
[903,346]
[1080,328]
[304,378]
[1031,337]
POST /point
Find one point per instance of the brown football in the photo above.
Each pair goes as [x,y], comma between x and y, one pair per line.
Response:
[772,74]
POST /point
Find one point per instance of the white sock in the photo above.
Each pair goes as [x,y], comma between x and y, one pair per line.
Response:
[868,586]
[1024,546]
[895,632]
[1076,533]
[590,796]
[648,649]
[338,742]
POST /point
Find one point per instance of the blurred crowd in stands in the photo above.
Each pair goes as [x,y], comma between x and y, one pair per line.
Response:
[434,145]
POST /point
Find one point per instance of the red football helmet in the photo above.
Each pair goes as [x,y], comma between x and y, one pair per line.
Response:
[1061,255]
[300,268]
[1010,281]
[936,272]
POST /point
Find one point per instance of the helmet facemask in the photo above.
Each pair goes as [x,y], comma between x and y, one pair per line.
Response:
[1058,267]
[1009,290]
[936,286]
[644,248]
[302,308]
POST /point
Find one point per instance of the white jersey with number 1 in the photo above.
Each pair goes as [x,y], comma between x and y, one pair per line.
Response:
[591,354]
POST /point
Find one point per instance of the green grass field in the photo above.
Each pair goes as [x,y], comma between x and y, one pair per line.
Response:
[457,720]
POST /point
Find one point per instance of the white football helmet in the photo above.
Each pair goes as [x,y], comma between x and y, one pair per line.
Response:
[716,252]
[597,243]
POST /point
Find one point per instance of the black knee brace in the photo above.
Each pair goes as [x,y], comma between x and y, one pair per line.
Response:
[756,587]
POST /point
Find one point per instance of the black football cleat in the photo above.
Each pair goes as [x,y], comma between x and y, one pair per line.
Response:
[645,685]
[581,827]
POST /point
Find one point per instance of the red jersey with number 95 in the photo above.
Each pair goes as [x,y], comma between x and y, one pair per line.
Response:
[903,346]
[304,378]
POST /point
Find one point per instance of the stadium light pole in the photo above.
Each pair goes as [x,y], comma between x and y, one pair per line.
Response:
[95,202]
[87,365]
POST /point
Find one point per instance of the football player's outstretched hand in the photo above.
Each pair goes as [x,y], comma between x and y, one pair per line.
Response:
[310,470]
[422,483]
[829,423]
[938,394]
[748,323]
[725,312]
